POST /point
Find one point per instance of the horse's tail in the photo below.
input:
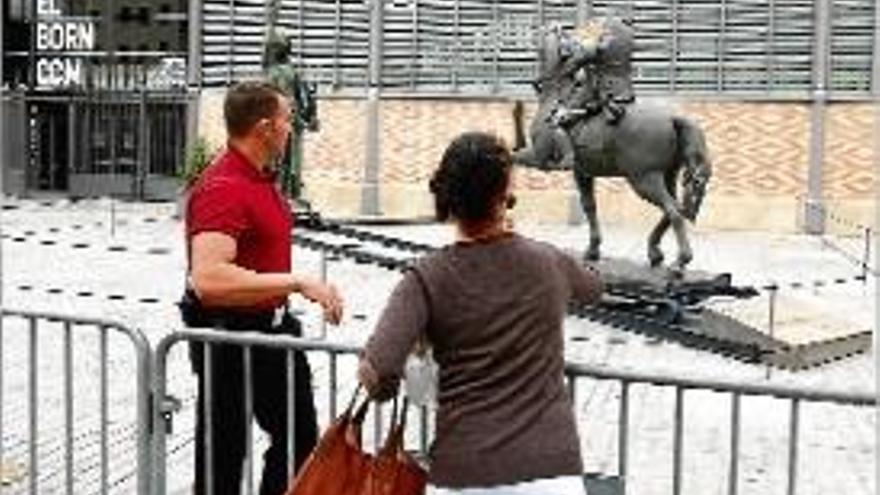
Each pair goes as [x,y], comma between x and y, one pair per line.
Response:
[694,155]
[519,132]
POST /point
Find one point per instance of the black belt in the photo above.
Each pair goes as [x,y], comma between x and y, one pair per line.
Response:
[196,316]
[238,320]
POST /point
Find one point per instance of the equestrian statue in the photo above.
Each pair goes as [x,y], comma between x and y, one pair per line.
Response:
[589,121]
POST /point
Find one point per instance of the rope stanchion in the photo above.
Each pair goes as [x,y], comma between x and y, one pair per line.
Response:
[771,318]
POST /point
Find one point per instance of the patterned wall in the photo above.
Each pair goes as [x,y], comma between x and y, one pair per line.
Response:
[849,154]
[759,151]
[756,148]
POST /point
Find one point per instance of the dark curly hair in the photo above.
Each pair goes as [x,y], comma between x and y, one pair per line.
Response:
[472,177]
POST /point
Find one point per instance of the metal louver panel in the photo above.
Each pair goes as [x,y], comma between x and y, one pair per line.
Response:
[852,43]
[738,47]
[232,39]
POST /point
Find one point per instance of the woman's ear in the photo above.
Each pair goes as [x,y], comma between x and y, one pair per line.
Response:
[510,201]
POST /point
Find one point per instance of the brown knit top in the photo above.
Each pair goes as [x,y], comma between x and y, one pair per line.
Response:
[493,312]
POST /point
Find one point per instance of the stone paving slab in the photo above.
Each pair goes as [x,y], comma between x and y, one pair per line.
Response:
[838,442]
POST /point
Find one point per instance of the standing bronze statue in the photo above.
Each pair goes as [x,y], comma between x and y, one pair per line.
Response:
[283,73]
[646,144]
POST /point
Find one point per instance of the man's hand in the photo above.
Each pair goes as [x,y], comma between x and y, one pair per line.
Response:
[324,294]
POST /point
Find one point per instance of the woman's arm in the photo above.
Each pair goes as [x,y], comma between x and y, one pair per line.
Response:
[402,322]
[585,281]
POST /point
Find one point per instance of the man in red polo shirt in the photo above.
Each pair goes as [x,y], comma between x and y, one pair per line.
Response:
[238,231]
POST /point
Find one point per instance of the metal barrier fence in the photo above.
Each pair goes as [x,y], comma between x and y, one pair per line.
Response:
[167,405]
[74,433]
[796,396]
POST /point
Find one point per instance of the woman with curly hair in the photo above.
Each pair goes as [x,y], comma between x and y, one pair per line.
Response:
[491,306]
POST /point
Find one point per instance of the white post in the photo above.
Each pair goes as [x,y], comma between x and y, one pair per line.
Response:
[771,318]
[370,185]
[814,208]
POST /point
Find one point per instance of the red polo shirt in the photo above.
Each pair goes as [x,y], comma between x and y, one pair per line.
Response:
[233,197]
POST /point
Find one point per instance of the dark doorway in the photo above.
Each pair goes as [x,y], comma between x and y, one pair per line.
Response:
[50,146]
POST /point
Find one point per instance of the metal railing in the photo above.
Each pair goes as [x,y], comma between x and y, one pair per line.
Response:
[737,390]
[46,396]
[27,356]
[574,372]
[166,405]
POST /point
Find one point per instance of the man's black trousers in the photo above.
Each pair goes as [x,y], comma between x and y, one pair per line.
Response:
[269,382]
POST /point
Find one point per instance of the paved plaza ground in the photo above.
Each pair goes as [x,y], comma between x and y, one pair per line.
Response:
[125,262]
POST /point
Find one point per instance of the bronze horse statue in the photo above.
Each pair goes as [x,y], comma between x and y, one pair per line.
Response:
[649,146]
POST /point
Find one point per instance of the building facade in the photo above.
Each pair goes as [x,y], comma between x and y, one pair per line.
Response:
[94,95]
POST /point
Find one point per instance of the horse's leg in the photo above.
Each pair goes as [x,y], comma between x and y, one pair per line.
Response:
[588,203]
[652,188]
[655,255]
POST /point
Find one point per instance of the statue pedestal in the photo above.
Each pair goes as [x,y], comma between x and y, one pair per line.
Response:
[627,276]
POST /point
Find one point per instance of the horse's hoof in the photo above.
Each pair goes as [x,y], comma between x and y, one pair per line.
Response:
[655,260]
[592,255]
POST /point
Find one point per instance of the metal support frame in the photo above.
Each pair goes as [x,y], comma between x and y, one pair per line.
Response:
[496,43]
[337,34]
[771,43]
[414,46]
[722,46]
[673,63]
[876,238]
[875,65]
[230,52]
[456,46]
[32,54]
[3,167]
[301,21]
[370,184]
[193,72]
[814,209]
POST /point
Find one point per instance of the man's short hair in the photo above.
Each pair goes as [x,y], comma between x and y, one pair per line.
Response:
[248,102]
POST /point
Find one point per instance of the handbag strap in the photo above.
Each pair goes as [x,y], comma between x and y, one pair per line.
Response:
[422,342]
[395,439]
[355,415]
[351,402]
[351,419]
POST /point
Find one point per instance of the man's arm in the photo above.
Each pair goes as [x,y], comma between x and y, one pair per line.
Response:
[219,282]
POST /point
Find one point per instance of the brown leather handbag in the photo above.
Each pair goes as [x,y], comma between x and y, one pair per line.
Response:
[339,465]
[393,471]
